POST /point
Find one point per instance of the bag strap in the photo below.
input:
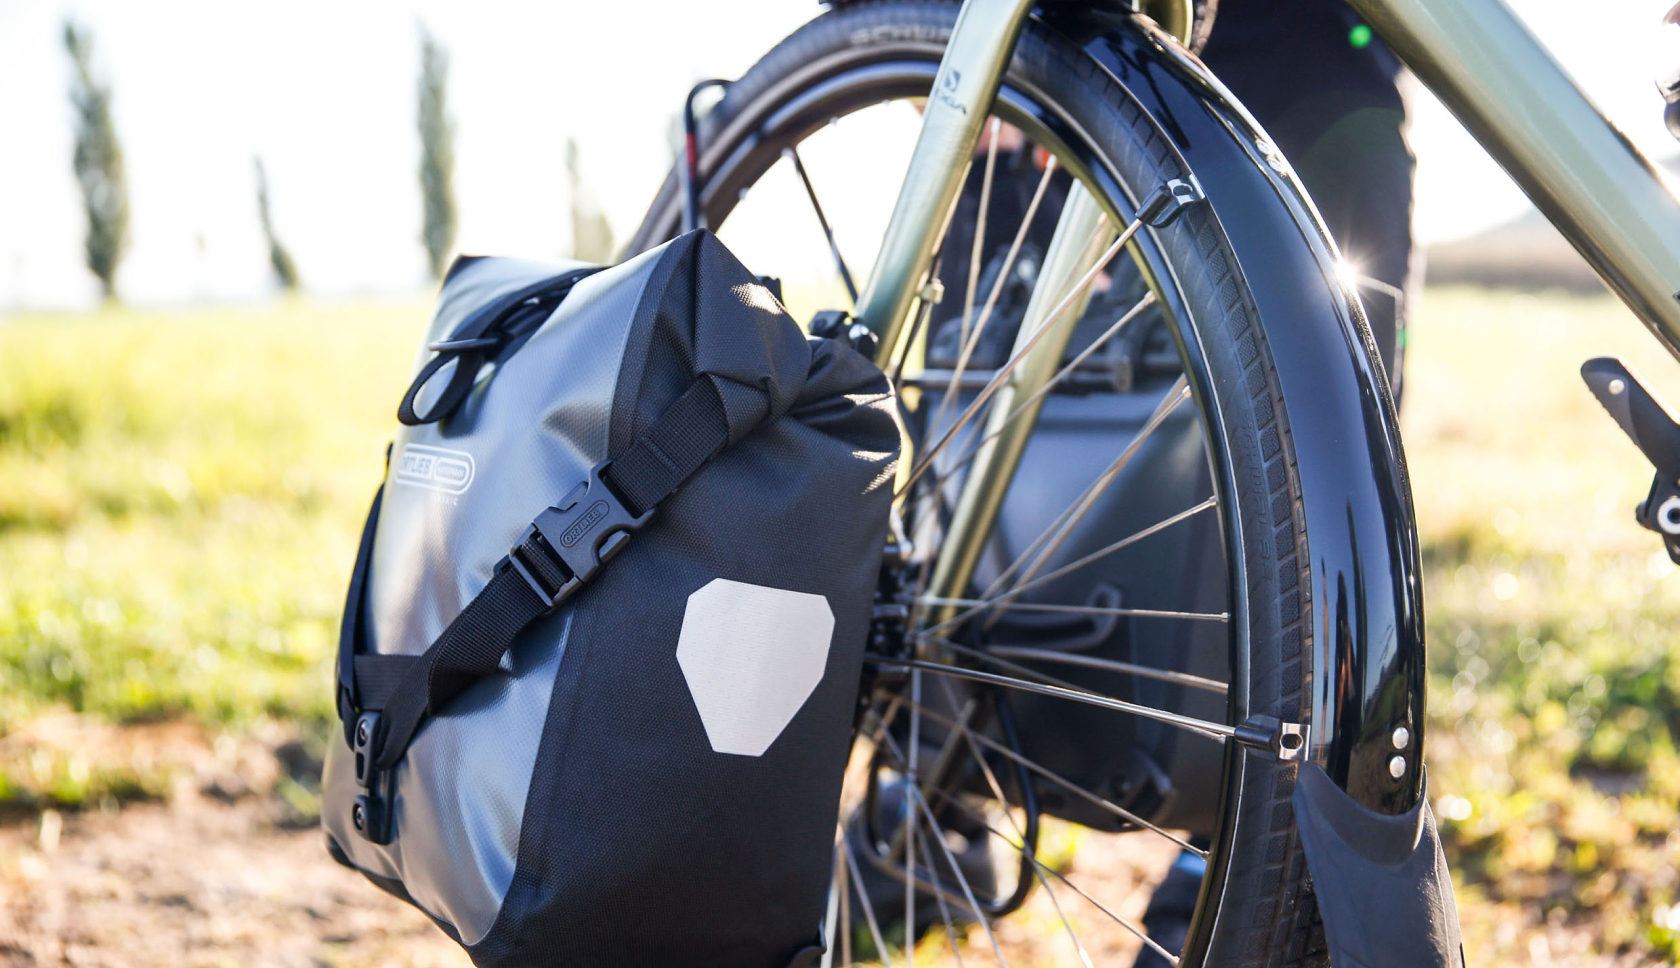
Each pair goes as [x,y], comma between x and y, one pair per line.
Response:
[480,338]
[559,553]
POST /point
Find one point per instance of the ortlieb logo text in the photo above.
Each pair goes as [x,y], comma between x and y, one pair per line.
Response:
[435,468]
[581,526]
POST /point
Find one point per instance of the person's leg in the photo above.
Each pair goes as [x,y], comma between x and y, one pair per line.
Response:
[1328,93]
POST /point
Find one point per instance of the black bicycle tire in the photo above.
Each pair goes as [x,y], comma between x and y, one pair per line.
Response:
[1269,919]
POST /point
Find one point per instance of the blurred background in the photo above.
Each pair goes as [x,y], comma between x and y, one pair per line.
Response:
[220,226]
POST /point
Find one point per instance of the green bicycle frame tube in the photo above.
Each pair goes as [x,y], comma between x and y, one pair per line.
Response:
[1581,172]
[969,74]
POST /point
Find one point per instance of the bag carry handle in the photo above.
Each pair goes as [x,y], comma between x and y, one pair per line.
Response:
[479,339]
[384,699]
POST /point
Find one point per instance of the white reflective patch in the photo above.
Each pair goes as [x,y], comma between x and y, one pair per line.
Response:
[751,656]
[435,468]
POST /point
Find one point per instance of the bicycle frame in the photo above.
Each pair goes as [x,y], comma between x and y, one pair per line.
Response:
[1613,205]
[1582,173]
[1605,197]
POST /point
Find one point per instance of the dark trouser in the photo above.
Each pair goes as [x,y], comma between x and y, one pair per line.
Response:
[1336,112]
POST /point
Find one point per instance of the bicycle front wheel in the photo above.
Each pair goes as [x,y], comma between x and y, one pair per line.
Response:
[1053,718]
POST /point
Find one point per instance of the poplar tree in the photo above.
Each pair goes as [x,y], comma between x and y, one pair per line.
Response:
[437,154]
[285,271]
[592,237]
[98,162]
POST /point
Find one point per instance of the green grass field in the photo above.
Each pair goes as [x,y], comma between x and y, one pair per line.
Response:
[179,501]
[180,495]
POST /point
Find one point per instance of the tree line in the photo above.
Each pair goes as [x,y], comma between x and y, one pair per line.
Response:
[103,180]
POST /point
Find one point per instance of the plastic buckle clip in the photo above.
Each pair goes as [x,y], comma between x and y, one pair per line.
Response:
[362,745]
[368,813]
[574,537]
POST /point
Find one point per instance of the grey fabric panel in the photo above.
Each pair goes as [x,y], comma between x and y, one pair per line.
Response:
[465,778]
[468,803]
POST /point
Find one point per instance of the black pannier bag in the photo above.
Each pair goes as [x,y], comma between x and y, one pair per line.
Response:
[570,760]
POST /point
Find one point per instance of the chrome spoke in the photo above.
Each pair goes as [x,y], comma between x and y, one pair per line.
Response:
[1082,609]
[1025,587]
[1109,665]
[1040,868]
[962,880]
[1172,959]
[1206,727]
[1046,544]
[992,660]
[1023,348]
[973,341]
[944,909]
[999,655]
[1088,497]
[913,790]
[863,895]
[1049,385]
[792,155]
[1003,802]
[1068,785]
[979,246]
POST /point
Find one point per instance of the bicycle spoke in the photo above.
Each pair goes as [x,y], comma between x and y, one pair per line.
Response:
[999,655]
[992,386]
[979,246]
[1005,664]
[990,603]
[944,909]
[792,155]
[1206,727]
[1003,801]
[1068,785]
[1172,959]
[863,895]
[973,340]
[1083,609]
[1054,536]
[1040,868]
[1050,384]
[962,879]
[1110,665]
[914,791]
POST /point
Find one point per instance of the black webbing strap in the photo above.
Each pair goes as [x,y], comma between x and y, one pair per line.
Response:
[555,557]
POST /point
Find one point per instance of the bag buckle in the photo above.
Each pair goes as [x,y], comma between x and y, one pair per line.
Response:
[567,543]
[368,812]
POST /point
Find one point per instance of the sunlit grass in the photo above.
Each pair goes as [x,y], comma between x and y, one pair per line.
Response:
[1555,691]
[179,500]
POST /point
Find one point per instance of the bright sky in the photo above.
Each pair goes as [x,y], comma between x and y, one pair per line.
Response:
[324,92]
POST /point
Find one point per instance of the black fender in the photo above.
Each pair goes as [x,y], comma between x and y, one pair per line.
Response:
[1367,622]
[1360,800]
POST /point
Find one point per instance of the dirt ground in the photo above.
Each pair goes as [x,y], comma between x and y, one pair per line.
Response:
[198,882]
[208,880]
[202,881]
[223,870]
